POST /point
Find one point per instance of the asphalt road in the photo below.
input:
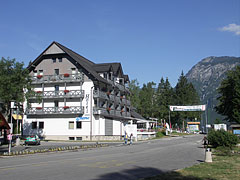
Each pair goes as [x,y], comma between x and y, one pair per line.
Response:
[142,159]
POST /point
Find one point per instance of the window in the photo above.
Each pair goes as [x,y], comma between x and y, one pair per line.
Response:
[105,75]
[40,72]
[79,138]
[35,72]
[41,125]
[71,125]
[60,60]
[56,71]
[79,125]
[34,125]
[54,60]
[120,81]
[73,70]
[71,138]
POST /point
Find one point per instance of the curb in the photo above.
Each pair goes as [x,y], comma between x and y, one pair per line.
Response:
[53,149]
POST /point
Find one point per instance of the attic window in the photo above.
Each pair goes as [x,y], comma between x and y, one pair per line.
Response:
[120,81]
[59,59]
[54,60]
[105,75]
[110,75]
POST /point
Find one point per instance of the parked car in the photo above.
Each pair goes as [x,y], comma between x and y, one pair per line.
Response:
[34,139]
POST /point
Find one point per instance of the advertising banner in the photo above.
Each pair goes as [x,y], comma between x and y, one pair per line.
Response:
[188,108]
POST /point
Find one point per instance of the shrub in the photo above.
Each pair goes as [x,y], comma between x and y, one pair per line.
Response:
[222,138]
[160,134]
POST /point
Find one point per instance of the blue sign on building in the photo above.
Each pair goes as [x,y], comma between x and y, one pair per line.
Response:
[82,118]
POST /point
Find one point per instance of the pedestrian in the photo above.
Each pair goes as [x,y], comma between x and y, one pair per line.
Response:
[131,139]
[126,138]
[205,141]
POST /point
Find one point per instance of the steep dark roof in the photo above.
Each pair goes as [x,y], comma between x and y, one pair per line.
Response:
[102,67]
[82,61]
[85,63]
[88,65]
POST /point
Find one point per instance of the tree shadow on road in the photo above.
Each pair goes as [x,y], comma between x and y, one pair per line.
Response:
[148,173]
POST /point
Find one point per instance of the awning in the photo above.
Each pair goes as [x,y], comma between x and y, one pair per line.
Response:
[17,116]
[3,122]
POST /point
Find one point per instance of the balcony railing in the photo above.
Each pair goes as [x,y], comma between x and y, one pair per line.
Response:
[121,87]
[61,94]
[99,94]
[102,111]
[57,78]
[56,110]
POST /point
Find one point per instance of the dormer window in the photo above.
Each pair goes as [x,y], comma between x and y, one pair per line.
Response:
[120,81]
[110,75]
[105,75]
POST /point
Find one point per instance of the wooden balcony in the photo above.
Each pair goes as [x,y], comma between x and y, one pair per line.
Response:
[112,112]
[100,94]
[60,94]
[56,110]
[57,78]
[120,86]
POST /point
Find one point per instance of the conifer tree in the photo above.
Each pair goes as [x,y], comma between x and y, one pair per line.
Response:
[229,99]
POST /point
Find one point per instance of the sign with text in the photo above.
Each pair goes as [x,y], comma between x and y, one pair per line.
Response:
[188,108]
[82,118]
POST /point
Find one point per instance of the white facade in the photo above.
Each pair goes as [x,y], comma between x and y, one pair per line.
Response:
[74,103]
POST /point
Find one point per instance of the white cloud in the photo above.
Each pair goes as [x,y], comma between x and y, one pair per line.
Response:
[231,28]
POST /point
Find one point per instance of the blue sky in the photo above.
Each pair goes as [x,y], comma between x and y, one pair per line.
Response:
[151,38]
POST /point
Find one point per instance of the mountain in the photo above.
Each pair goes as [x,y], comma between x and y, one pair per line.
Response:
[206,76]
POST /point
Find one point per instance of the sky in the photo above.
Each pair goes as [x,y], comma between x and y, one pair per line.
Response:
[150,38]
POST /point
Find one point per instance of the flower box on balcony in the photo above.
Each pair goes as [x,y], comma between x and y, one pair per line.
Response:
[66,75]
[66,107]
[38,108]
[39,76]
[109,109]
[39,92]
[66,91]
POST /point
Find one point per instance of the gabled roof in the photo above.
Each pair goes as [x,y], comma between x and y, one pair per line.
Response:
[102,68]
[82,61]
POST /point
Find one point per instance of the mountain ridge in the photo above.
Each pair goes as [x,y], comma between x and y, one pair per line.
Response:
[207,75]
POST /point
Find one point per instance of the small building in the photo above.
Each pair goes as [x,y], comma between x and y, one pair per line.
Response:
[235,128]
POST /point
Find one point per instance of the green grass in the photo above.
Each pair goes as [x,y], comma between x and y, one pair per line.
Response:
[225,165]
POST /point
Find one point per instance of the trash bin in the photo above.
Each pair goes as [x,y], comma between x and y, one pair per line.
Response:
[208,155]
